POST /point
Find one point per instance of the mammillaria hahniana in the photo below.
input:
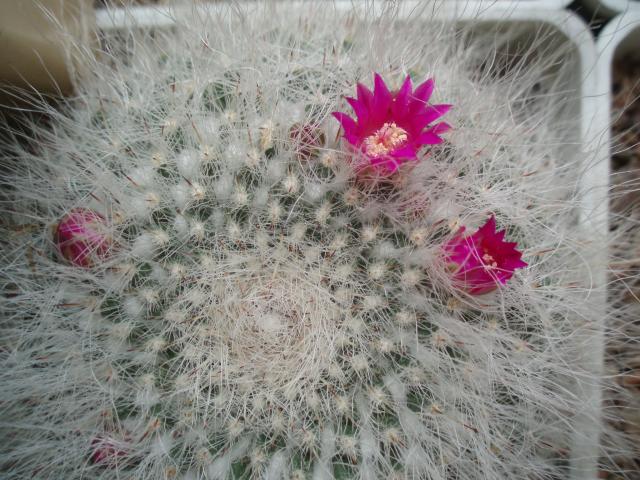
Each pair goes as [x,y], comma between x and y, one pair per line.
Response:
[266,314]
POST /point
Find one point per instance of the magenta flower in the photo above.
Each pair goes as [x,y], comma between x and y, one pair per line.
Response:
[81,238]
[482,261]
[390,128]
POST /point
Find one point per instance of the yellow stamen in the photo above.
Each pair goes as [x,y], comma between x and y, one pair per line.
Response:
[387,138]
[489,261]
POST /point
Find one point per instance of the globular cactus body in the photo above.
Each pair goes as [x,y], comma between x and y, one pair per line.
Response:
[263,311]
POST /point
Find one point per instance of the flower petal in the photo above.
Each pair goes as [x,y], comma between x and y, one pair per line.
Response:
[361,111]
[349,125]
[440,128]
[364,95]
[402,98]
[424,90]
[430,113]
[380,89]
[489,227]
[513,264]
[381,100]
[406,152]
[429,138]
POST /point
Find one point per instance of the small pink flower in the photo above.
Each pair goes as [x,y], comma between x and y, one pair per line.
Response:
[390,128]
[81,237]
[483,260]
[106,451]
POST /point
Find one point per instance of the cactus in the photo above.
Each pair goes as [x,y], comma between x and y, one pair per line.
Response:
[262,311]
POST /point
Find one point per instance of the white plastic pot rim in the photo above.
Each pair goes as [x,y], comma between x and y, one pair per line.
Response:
[610,8]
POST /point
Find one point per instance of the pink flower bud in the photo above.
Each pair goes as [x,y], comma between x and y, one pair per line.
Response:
[307,139]
[106,451]
[81,237]
[482,261]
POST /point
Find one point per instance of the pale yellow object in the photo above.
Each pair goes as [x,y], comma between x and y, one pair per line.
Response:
[41,43]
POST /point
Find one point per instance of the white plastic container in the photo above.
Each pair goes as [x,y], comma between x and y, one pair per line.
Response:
[620,38]
[609,8]
[541,4]
[591,121]
[548,4]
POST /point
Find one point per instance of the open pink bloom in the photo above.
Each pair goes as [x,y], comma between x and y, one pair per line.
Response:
[81,238]
[390,128]
[483,260]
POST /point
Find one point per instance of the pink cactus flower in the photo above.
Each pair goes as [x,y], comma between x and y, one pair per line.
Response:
[390,128]
[81,238]
[482,261]
[106,451]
